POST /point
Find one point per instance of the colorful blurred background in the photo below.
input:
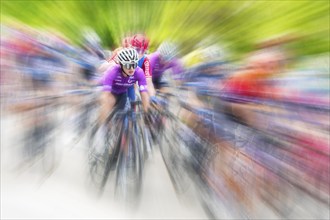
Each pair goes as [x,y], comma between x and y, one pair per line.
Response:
[236,24]
[249,136]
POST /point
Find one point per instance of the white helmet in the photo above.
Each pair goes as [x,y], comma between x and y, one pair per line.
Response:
[127,56]
[167,50]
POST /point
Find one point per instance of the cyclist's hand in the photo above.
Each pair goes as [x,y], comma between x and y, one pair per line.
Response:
[148,119]
[202,112]
[154,100]
[158,103]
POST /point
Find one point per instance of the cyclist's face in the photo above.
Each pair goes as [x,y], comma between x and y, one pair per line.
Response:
[129,69]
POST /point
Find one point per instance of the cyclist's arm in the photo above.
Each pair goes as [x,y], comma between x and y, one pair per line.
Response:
[109,62]
[107,99]
[143,89]
[147,68]
[145,101]
[151,88]
[107,103]
[148,74]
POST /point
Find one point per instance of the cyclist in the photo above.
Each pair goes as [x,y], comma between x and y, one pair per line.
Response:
[119,78]
[92,43]
[126,41]
[39,75]
[255,83]
[112,60]
[141,43]
[92,54]
[116,81]
[164,60]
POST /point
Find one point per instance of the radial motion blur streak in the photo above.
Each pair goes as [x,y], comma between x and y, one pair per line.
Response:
[238,126]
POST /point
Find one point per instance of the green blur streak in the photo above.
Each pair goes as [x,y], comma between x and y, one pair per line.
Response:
[237,23]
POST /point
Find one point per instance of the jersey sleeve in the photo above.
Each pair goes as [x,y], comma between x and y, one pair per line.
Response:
[147,68]
[141,79]
[108,79]
[177,67]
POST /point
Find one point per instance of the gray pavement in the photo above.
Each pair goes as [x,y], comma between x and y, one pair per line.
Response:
[67,193]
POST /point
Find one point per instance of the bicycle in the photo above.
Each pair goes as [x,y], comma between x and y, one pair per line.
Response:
[39,138]
[175,141]
[122,152]
[210,152]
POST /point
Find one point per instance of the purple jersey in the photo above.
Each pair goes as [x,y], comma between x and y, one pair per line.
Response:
[115,82]
[158,67]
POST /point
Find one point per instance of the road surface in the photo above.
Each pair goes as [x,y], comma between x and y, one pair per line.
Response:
[26,193]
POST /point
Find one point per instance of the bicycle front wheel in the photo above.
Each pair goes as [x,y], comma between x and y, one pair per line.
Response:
[129,169]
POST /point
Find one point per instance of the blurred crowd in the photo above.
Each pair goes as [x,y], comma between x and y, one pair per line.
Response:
[257,129]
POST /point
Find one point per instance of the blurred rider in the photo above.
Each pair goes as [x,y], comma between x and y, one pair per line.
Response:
[162,61]
[141,43]
[118,78]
